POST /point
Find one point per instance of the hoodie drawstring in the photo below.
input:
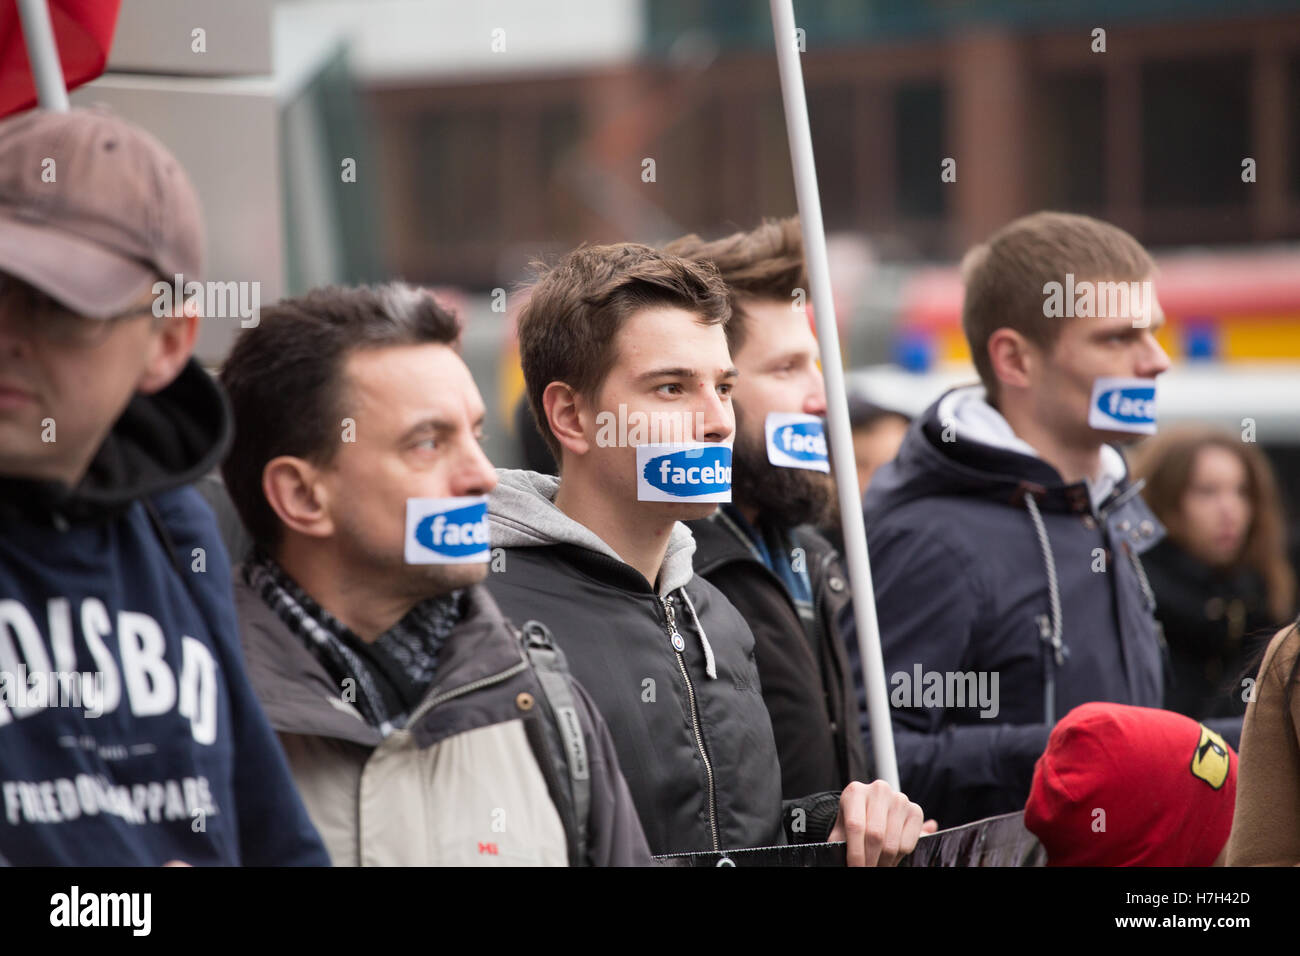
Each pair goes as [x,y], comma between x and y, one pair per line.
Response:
[710,666]
[1049,632]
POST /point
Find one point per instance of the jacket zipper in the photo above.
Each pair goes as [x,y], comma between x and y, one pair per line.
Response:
[841,748]
[1129,492]
[442,698]
[815,586]
[679,645]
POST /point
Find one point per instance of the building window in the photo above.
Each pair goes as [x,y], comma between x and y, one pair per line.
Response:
[1293,124]
[1068,140]
[918,150]
[1195,131]
[457,177]
[830,113]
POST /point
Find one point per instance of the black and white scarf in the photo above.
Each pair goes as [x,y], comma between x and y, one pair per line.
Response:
[390,674]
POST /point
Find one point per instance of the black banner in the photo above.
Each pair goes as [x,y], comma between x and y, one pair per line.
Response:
[995,841]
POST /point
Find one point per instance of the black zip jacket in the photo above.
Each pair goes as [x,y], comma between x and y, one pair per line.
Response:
[801,664]
[696,749]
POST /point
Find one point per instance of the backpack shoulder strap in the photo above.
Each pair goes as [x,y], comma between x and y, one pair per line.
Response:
[553,674]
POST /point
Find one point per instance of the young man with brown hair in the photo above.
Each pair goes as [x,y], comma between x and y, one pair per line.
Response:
[762,550]
[617,342]
[1006,536]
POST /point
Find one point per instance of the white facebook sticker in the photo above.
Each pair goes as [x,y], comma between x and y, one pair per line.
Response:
[689,471]
[447,530]
[795,440]
[1123,405]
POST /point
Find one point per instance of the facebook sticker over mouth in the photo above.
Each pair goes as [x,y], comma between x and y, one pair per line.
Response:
[1124,405]
[795,440]
[447,530]
[689,471]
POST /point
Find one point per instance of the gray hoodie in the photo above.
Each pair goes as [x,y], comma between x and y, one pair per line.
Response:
[672,672]
[524,516]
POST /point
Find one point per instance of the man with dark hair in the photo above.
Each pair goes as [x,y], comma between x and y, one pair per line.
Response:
[129,735]
[762,550]
[1006,536]
[620,344]
[422,727]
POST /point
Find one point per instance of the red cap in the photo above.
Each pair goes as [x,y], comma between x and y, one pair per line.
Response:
[1132,786]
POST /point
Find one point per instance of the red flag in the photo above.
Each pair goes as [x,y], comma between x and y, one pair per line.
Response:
[83,32]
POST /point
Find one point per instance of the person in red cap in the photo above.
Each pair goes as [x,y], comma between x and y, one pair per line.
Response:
[1132,786]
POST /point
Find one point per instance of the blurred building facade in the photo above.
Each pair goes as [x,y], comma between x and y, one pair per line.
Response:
[1148,126]
[481,135]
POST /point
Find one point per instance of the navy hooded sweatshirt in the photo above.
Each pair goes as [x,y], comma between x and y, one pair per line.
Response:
[984,561]
[129,734]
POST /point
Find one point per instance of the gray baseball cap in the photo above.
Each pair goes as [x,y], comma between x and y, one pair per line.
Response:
[93,210]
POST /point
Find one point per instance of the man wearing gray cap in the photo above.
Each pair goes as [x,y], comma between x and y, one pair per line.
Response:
[129,734]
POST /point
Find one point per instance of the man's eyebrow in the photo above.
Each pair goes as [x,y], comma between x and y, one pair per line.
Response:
[791,356]
[435,425]
[1118,328]
[681,372]
[426,425]
[677,372]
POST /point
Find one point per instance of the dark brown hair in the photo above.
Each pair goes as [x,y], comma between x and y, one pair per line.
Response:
[764,263]
[285,379]
[1166,463]
[576,308]
[1005,276]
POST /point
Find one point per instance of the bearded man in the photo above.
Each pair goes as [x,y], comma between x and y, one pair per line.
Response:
[762,550]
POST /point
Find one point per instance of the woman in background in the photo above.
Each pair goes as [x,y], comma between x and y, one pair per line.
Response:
[1221,579]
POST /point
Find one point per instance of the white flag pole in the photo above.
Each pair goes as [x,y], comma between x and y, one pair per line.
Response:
[837,407]
[43,53]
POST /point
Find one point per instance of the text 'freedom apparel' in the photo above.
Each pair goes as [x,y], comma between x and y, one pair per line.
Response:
[181,765]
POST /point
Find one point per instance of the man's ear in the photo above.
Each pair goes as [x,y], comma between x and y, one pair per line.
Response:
[296,494]
[1012,356]
[564,417]
[171,346]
